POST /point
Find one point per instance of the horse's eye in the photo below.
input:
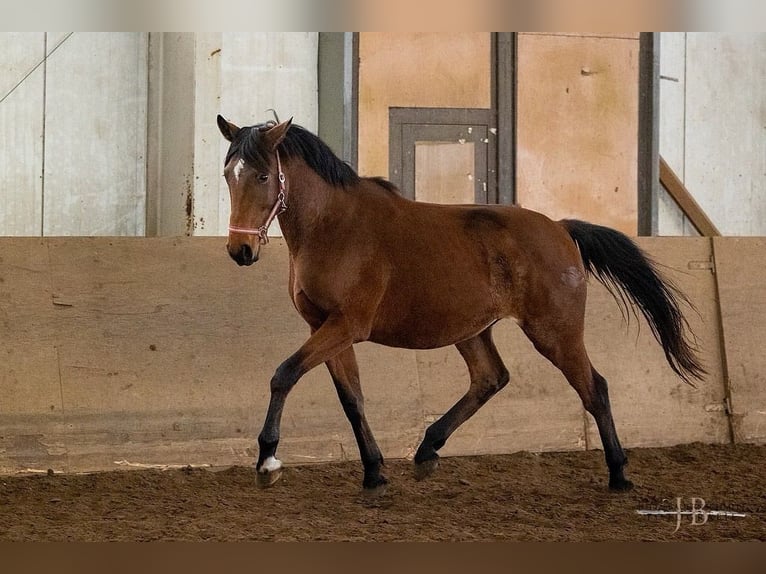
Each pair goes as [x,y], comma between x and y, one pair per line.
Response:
[263,178]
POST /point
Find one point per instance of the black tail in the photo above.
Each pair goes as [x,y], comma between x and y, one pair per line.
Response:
[634,281]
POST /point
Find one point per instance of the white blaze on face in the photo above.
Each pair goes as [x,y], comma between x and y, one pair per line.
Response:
[238,169]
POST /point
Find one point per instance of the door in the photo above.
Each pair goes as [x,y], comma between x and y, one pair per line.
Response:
[443,155]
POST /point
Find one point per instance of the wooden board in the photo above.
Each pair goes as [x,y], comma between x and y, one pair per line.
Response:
[651,405]
[577,120]
[160,350]
[740,265]
[416,69]
[537,411]
[124,351]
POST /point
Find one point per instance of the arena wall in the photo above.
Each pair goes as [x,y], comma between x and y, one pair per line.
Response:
[127,352]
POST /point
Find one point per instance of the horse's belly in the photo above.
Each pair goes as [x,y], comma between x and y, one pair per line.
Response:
[429,327]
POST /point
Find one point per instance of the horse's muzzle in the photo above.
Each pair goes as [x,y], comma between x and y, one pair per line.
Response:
[244,255]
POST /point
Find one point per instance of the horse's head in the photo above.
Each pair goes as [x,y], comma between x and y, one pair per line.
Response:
[256,185]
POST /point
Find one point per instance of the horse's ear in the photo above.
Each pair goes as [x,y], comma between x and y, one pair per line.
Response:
[228,129]
[275,135]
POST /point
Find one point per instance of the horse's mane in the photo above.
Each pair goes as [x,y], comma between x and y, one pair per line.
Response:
[385,184]
[298,143]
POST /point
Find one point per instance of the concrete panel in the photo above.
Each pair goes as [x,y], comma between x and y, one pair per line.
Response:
[209,189]
[577,120]
[21,133]
[740,264]
[725,135]
[95,167]
[671,220]
[651,405]
[262,70]
[171,135]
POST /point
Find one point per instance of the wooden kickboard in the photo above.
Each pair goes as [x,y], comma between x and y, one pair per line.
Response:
[741,272]
[133,351]
[651,405]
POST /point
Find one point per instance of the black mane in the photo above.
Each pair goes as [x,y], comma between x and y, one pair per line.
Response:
[298,143]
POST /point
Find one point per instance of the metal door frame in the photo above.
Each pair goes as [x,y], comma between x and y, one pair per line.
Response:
[407,126]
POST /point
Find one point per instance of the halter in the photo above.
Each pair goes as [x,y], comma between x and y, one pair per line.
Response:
[279,207]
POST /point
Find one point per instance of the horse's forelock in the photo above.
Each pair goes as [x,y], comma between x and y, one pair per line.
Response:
[249,146]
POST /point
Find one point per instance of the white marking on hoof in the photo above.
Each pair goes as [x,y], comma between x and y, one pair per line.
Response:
[271,464]
[269,473]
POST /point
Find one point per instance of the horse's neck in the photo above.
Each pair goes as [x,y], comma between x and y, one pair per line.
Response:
[309,207]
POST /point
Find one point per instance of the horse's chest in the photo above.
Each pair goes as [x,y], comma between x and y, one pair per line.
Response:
[312,313]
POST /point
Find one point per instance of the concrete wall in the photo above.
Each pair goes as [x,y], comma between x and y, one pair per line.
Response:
[712,128]
[130,351]
[114,133]
[73,134]
[193,78]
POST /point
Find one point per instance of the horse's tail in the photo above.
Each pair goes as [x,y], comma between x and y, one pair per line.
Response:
[635,282]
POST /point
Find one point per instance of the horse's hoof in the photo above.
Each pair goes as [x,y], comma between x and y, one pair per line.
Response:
[268,478]
[620,485]
[426,468]
[376,491]
[269,473]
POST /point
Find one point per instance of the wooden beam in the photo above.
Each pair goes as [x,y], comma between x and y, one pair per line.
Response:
[686,202]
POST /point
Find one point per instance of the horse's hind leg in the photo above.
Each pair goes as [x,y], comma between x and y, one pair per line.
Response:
[602,413]
[345,375]
[570,356]
[488,375]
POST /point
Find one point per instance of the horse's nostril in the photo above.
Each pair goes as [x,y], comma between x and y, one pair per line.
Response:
[243,255]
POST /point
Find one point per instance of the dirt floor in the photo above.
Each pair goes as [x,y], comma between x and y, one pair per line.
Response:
[523,496]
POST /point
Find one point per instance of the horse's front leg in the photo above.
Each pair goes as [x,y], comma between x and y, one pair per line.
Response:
[326,342]
[345,375]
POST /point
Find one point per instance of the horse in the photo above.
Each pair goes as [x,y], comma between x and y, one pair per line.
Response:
[367,264]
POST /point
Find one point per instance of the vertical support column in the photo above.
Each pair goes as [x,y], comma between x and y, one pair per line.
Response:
[338,73]
[505,107]
[170,145]
[648,133]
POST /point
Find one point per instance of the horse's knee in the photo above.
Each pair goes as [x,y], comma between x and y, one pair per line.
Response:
[353,406]
[489,386]
[285,376]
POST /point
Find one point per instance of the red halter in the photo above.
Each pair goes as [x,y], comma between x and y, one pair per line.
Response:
[279,206]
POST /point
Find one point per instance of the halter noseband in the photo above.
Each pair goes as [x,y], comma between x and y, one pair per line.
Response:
[279,207]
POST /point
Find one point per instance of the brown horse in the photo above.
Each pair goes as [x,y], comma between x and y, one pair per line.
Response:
[366,264]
